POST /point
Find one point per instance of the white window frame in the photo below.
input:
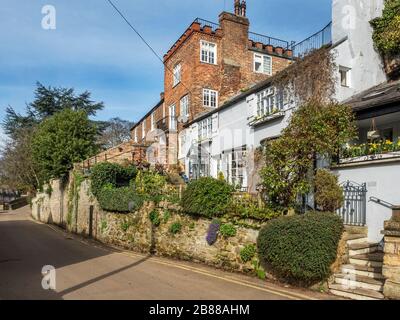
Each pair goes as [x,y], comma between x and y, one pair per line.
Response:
[208,52]
[173,124]
[268,101]
[135,136]
[205,128]
[144,129]
[210,98]
[177,74]
[184,103]
[152,121]
[346,72]
[264,69]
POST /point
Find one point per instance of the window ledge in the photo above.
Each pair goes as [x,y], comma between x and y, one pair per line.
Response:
[256,122]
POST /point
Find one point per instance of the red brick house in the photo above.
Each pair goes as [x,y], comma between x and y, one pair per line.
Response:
[206,66]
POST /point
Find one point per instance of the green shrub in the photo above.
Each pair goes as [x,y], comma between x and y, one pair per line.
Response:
[300,249]
[49,190]
[228,230]
[151,185]
[248,253]
[166,216]
[125,226]
[248,207]
[328,194]
[111,174]
[175,228]
[121,200]
[207,197]
[103,226]
[155,218]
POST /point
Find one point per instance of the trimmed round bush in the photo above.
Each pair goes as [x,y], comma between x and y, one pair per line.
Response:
[111,174]
[301,248]
[122,200]
[207,197]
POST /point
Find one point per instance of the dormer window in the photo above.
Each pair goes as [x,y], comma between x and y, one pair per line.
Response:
[177,74]
[262,64]
[208,52]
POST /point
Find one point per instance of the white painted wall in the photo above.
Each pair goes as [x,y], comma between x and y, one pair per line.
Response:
[383,183]
[350,18]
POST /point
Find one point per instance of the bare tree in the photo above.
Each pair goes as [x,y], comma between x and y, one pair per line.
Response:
[115,131]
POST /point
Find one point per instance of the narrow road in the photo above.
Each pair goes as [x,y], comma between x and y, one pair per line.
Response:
[87,270]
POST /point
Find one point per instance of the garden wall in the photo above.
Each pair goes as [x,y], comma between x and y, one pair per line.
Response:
[75,208]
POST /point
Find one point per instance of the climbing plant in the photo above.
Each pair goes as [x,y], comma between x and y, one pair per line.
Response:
[386,33]
[315,128]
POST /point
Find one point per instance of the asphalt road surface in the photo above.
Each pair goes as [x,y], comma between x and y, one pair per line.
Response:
[85,269]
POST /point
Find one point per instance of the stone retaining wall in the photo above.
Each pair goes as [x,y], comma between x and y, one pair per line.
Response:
[72,210]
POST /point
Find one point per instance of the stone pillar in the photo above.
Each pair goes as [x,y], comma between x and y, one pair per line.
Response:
[391,261]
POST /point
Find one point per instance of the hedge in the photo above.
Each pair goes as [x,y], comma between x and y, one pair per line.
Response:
[122,200]
[300,249]
[207,197]
[111,174]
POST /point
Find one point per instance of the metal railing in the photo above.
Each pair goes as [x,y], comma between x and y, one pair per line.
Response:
[214,26]
[354,210]
[382,202]
[314,42]
[256,37]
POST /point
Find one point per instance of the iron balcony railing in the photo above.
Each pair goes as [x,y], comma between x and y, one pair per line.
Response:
[214,26]
[256,37]
[314,42]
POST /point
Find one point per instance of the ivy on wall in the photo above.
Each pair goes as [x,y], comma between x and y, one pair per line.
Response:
[386,34]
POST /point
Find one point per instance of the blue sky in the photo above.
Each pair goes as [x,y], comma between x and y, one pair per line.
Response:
[93,49]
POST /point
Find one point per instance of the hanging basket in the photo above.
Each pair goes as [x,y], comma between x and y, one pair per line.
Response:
[374,134]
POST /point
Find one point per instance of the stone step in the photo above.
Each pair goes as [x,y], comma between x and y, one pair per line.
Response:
[356,238]
[362,248]
[354,282]
[372,272]
[356,294]
[369,259]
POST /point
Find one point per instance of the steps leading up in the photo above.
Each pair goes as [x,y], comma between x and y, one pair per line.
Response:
[372,272]
[354,281]
[356,294]
[361,278]
[362,248]
[369,259]
[356,239]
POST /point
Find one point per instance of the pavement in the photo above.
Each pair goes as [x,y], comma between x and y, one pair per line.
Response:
[86,269]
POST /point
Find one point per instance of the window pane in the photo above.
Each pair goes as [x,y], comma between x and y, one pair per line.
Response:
[267,65]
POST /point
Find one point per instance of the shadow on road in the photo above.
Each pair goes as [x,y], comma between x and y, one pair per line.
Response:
[102,277]
[25,247]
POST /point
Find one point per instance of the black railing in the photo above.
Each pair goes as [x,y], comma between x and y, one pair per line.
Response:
[214,26]
[256,37]
[314,42]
